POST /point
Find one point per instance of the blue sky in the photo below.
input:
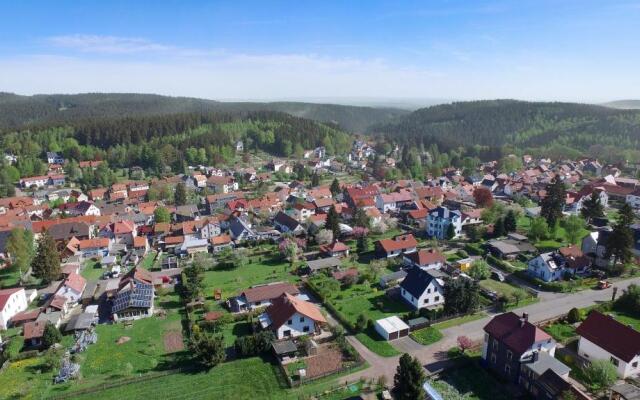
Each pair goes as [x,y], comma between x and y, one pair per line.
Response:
[544,50]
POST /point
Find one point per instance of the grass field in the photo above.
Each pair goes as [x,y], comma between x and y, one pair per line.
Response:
[374,342]
[9,277]
[627,319]
[92,270]
[251,378]
[459,320]
[426,336]
[561,332]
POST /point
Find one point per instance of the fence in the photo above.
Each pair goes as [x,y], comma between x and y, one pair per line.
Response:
[294,384]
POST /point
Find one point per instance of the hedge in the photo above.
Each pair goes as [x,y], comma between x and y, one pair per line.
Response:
[337,314]
[506,267]
[474,249]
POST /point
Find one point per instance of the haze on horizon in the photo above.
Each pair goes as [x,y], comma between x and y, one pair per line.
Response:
[585,51]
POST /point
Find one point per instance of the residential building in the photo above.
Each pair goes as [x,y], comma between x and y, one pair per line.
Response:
[260,296]
[289,316]
[604,338]
[401,244]
[134,298]
[510,341]
[12,302]
[440,218]
[425,259]
[421,289]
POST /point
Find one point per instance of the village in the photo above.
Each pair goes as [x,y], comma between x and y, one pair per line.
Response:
[309,277]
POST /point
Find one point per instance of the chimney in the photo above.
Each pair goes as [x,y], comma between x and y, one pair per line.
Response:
[524,319]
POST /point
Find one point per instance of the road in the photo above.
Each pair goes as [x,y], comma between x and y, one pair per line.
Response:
[434,357]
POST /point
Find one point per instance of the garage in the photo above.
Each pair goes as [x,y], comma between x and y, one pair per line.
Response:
[391,328]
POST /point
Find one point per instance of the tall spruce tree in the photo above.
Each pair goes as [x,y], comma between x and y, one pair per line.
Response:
[553,203]
[408,380]
[333,222]
[335,187]
[510,222]
[46,263]
[181,194]
[592,208]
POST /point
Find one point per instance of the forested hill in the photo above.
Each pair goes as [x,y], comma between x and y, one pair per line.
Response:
[518,124]
[624,104]
[20,111]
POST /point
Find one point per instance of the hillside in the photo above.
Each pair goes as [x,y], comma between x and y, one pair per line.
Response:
[520,124]
[18,111]
[624,104]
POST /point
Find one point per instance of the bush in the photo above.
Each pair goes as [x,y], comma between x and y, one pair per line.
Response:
[574,316]
[473,249]
[500,264]
[253,345]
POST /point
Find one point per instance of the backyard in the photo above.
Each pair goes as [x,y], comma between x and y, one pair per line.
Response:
[426,336]
[469,382]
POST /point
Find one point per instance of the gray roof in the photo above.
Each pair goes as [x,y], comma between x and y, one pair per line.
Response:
[545,362]
[323,263]
[395,276]
[628,391]
[80,322]
[284,347]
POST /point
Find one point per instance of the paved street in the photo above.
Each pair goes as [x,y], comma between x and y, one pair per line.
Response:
[433,357]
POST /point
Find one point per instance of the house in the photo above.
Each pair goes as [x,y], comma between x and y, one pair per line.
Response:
[34,181]
[96,247]
[140,245]
[551,384]
[240,229]
[604,338]
[81,208]
[72,288]
[191,246]
[391,328]
[12,302]
[421,289]
[222,184]
[260,296]
[510,341]
[425,259]
[547,267]
[393,278]
[33,332]
[289,316]
[393,201]
[54,158]
[398,245]
[219,243]
[285,224]
[124,232]
[134,297]
[302,211]
[335,249]
[440,218]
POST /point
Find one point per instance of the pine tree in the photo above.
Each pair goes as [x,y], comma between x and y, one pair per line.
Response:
[499,227]
[333,222]
[408,380]
[619,244]
[592,208]
[363,243]
[335,187]
[361,218]
[626,215]
[315,179]
[181,194]
[451,232]
[553,203]
[46,263]
[510,222]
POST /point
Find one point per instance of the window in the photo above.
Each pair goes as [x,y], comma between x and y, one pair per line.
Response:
[301,319]
[634,365]
[305,329]
[426,301]
[437,298]
[509,355]
[614,361]
[287,333]
[289,322]
[429,290]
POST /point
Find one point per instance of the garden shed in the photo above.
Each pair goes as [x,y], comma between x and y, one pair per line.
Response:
[391,328]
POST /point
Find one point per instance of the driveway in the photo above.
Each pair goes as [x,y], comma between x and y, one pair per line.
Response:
[434,357]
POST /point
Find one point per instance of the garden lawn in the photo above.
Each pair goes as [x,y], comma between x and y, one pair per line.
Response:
[149,260]
[251,378]
[20,380]
[234,330]
[9,277]
[459,320]
[426,336]
[233,280]
[374,342]
[145,351]
[627,319]
[92,270]
[561,332]
[367,300]
[469,382]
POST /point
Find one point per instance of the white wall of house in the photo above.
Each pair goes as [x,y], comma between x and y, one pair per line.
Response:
[437,227]
[592,351]
[299,325]
[432,296]
[16,303]
[72,295]
[633,200]
[540,269]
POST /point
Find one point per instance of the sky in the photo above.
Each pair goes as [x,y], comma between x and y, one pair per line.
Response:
[569,50]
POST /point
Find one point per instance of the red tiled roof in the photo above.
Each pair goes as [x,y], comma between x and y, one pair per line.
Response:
[34,330]
[93,243]
[75,282]
[173,239]
[286,305]
[222,239]
[615,337]
[426,257]
[268,292]
[139,241]
[398,243]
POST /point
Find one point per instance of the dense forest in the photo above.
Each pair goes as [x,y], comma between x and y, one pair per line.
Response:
[20,111]
[163,144]
[557,130]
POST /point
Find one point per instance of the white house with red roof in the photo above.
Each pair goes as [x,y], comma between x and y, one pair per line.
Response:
[335,249]
[425,259]
[401,244]
[124,231]
[72,288]
[604,338]
[289,316]
[12,302]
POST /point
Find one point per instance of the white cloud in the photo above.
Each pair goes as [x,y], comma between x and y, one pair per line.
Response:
[107,44]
